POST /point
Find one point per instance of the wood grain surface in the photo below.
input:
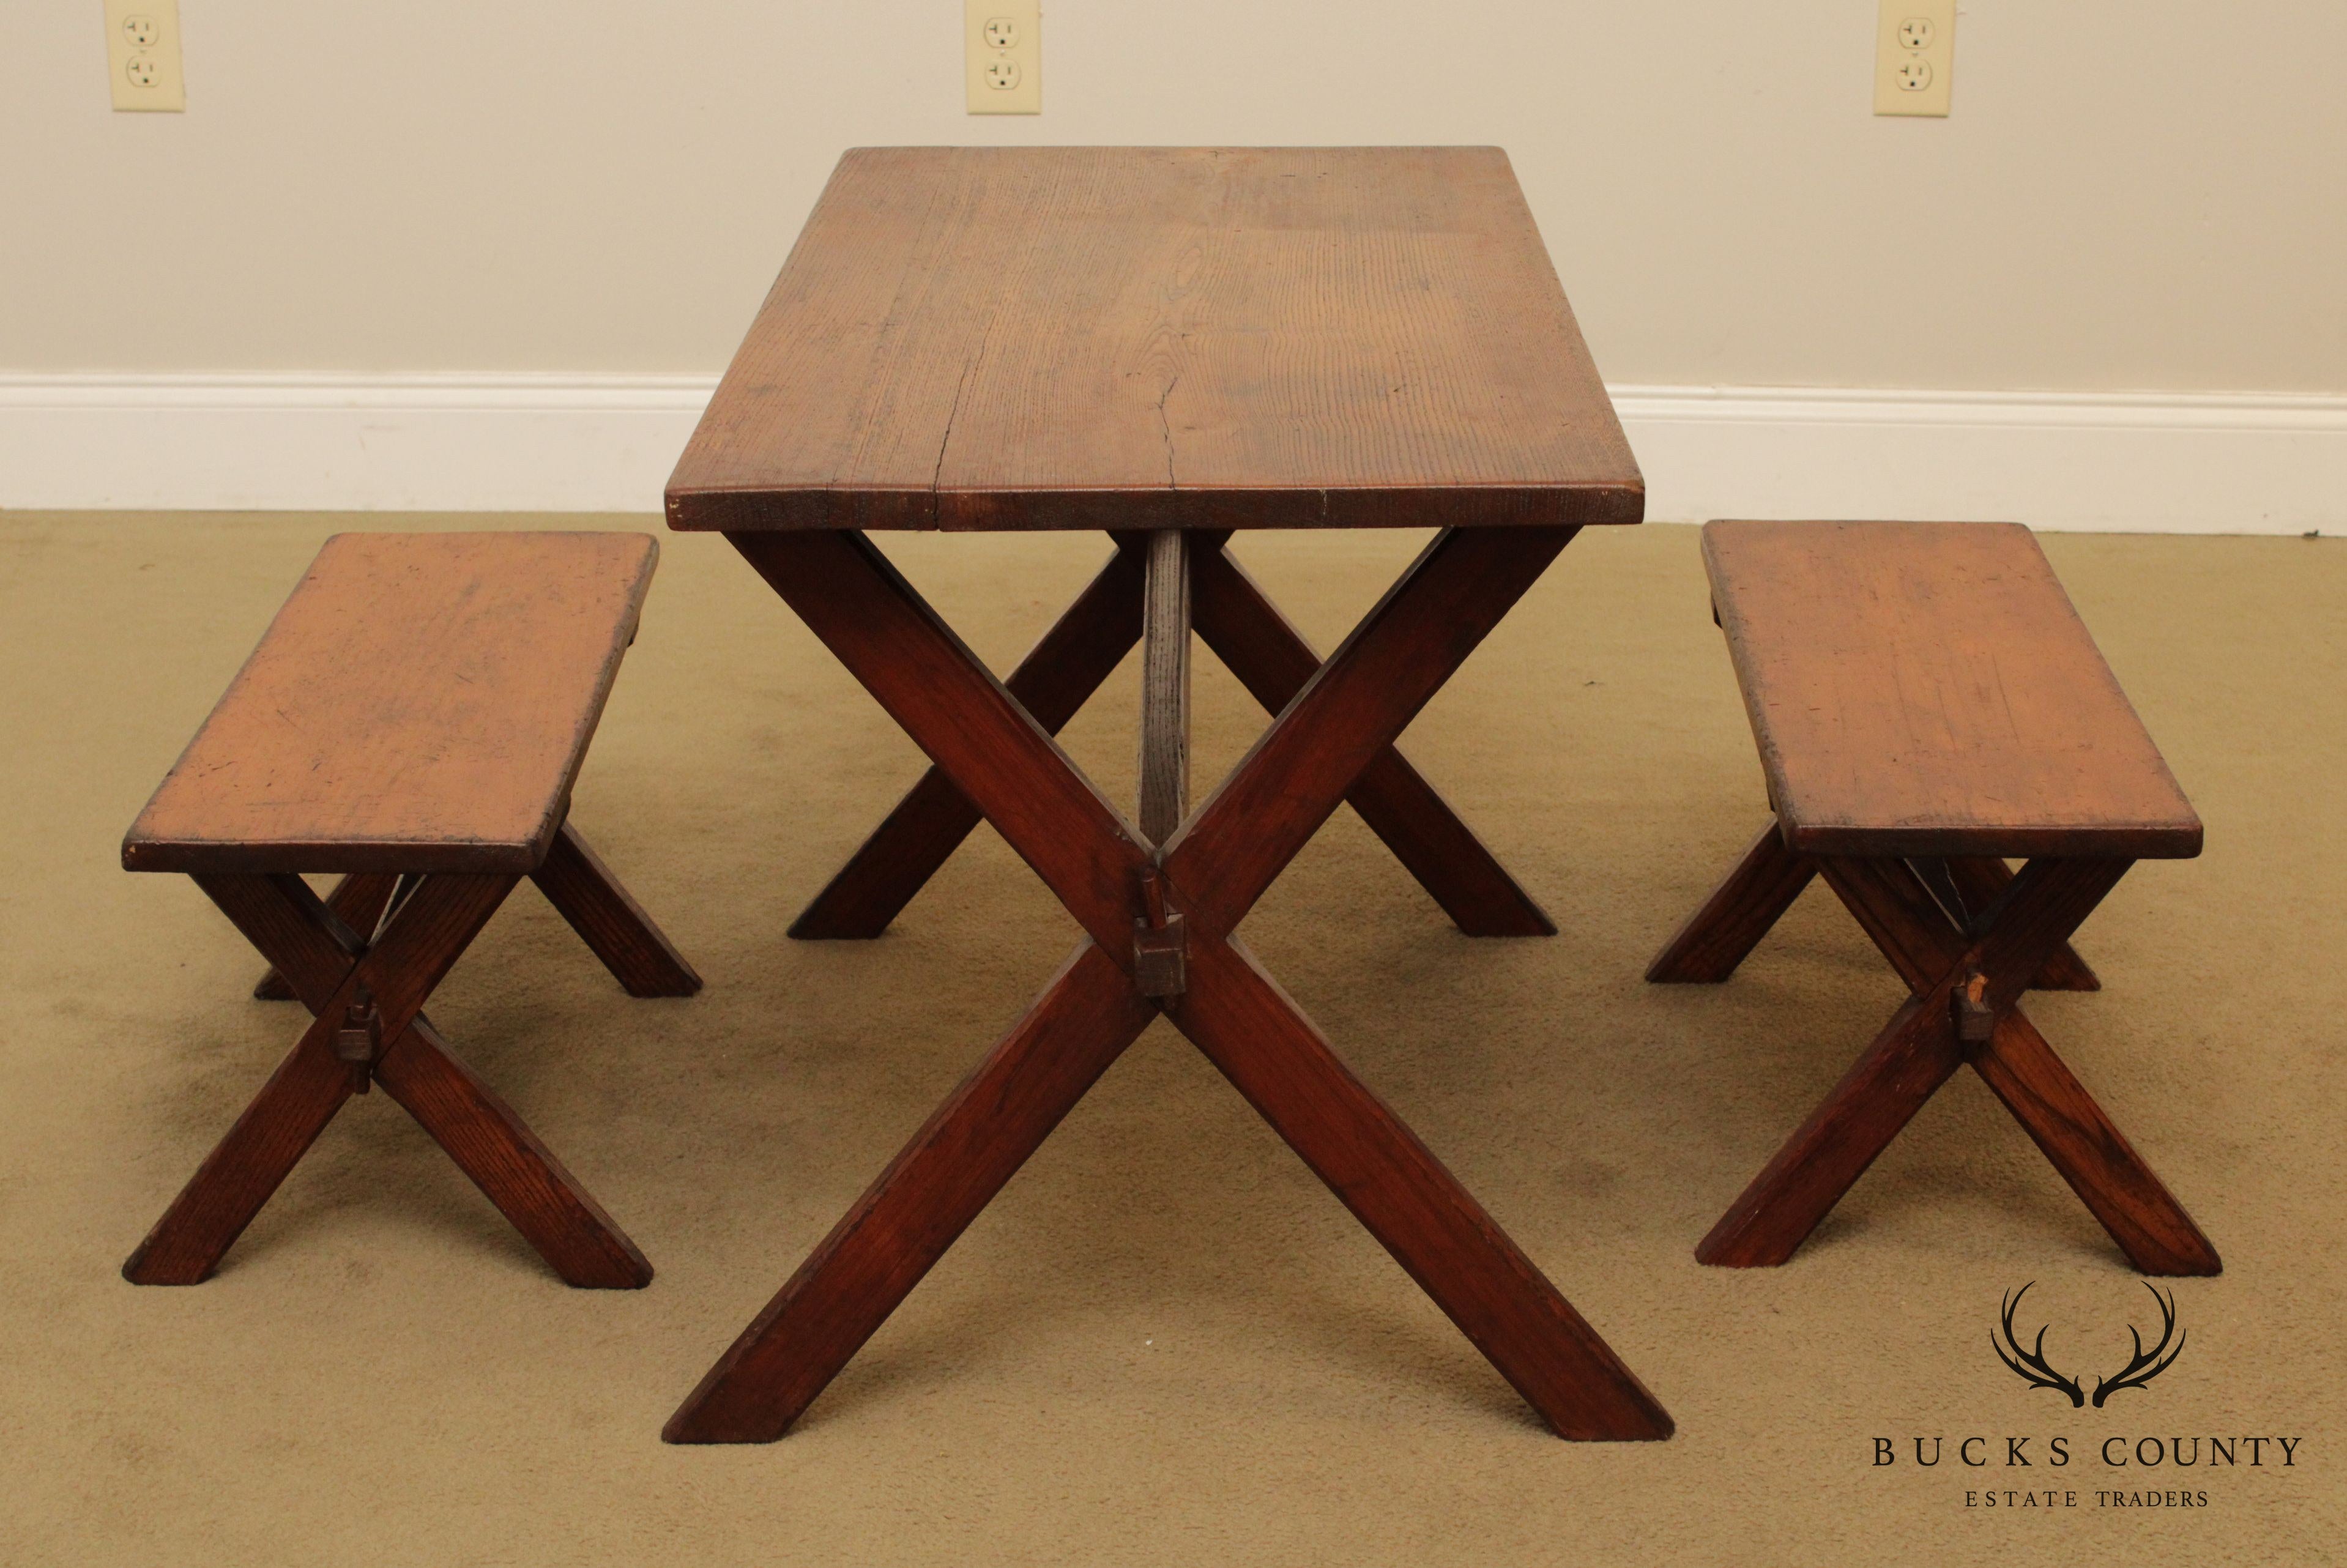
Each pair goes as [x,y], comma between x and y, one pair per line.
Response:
[1273,660]
[1741,910]
[1164,763]
[1927,689]
[422,702]
[608,918]
[1216,863]
[310,1085]
[1059,673]
[1236,843]
[1158,338]
[1250,1028]
[1915,1052]
[318,956]
[906,1221]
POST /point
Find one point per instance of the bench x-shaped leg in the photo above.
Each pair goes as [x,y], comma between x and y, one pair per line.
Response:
[1967,980]
[583,891]
[1120,888]
[1768,877]
[369,1027]
[1271,659]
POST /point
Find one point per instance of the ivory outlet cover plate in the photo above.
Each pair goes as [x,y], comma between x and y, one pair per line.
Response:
[1002,48]
[142,54]
[1914,57]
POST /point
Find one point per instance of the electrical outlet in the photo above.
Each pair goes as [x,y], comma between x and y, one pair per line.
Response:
[142,54]
[1914,57]
[1003,52]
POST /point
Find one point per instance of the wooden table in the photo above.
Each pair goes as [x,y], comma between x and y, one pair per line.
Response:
[1166,344]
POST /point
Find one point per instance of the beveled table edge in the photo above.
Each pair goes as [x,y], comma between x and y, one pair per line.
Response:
[390,856]
[2130,841]
[691,509]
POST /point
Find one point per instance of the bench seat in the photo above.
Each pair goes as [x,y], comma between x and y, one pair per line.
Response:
[1927,689]
[421,703]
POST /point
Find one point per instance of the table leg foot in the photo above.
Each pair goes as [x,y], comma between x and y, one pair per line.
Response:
[513,1169]
[612,924]
[1395,1187]
[1740,911]
[905,1222]
[2091,1153]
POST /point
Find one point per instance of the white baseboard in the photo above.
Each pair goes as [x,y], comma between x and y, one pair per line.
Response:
[2234,463]
[434,442]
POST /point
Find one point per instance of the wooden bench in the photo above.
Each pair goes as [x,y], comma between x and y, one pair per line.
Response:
[1927,704]
[415,719]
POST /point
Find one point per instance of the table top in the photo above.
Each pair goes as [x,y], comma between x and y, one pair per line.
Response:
[1927,689]
[1162,337]
[422,702]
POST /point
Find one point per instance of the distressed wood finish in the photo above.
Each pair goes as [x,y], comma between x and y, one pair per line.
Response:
[1898,676]
[1404,649]
[1220,860]
[1237,619]
[1908,1061]
[421,1071]
[1164,765]
[1768,877]
[488,1141]
[1979,881]
[883,1245]
[610,921]
[1920,1048]
[417,950]
[1915,1054]
[2091,1154]
[512,641]
[1166,344]
[358,901]
[927,680]
[1926,689]
[1260,1040]
[1161,338]
[326,962]
[1064,669]
[422,702]
[1272,659]
[1740,911]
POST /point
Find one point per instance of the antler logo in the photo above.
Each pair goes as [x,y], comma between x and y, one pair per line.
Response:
[2032,1367]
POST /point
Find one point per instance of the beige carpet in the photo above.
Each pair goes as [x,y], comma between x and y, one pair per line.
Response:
[1166,1343]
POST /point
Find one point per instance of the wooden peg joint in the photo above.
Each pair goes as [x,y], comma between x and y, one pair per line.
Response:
[1160,955]
[1975,1019]
[359,1040]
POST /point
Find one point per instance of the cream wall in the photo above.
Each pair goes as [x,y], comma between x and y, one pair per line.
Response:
[2131,194]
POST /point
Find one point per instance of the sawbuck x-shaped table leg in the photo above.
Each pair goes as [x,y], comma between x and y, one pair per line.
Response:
[1128,895]
[1271,659]
[1966,982]
[368,1027]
